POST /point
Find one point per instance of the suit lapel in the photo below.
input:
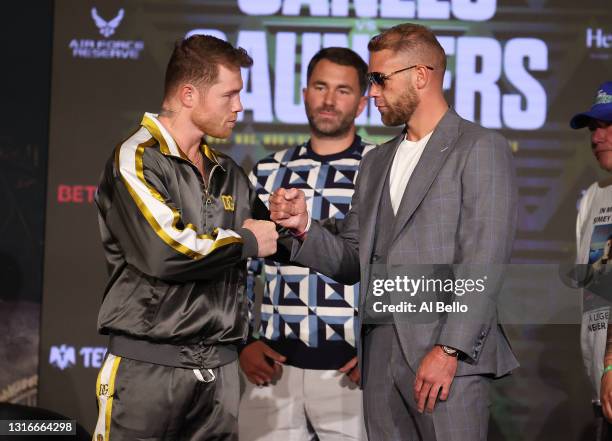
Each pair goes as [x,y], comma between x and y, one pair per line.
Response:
[438,148]
[369,207]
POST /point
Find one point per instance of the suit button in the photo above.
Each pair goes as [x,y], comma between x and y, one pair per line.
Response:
[375,258]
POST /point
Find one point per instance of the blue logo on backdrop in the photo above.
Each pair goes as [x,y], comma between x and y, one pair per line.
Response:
[65,356]
[107,28]
[62,356]
[105,48]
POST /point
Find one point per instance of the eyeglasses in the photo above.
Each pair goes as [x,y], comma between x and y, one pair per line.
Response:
[379,78]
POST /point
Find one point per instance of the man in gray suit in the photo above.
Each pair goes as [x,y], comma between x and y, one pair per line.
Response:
[441,193]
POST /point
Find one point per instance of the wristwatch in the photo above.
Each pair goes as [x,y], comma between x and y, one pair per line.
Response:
[450,351]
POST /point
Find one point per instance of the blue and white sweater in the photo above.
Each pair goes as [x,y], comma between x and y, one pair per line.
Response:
[306,316]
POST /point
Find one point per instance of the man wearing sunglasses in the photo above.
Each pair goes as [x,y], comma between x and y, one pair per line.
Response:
[441,193]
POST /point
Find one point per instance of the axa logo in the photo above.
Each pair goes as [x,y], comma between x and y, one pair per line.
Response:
[62,356]
[107,28]
[65,356]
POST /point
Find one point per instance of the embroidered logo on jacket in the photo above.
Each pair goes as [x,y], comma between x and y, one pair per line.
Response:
[228,202]
[103,392]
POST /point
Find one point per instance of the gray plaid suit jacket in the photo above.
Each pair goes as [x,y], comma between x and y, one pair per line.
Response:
[459,207]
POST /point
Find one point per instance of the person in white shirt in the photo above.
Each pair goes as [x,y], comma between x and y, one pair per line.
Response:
[593,236]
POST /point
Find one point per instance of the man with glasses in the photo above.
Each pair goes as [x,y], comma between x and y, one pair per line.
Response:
[441,193]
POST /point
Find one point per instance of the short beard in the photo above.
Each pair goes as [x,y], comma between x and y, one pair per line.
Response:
[400,112]
[343,127]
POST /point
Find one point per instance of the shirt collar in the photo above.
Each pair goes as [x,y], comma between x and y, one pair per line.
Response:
[355,145]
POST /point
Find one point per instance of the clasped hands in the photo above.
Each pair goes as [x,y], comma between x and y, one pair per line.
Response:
[287,209]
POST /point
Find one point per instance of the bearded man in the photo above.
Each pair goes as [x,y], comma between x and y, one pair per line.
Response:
[304,358]
[178,222]
[441,195]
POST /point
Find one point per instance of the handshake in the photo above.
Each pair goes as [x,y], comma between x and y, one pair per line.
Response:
[287,209]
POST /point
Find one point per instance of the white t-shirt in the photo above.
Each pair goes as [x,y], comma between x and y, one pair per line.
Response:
[594,240]
[406,158]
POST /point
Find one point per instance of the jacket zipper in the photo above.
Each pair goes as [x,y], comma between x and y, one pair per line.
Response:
[207,194]
[206,186]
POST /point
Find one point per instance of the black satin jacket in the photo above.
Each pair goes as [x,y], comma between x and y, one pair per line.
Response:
[173,241]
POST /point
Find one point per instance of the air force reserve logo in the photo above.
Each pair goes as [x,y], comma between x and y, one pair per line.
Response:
[105,48]
[107,28]
[62,356]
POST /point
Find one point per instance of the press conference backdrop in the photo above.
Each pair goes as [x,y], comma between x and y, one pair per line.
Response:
[518,66]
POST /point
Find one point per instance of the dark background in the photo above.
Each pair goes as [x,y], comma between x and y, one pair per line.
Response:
[24,140]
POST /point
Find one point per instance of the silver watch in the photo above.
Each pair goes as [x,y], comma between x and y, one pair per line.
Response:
[450,351]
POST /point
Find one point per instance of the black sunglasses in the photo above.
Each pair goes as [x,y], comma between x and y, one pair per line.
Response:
[379,78]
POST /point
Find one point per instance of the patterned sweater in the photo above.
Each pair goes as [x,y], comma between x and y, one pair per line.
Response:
[306,316]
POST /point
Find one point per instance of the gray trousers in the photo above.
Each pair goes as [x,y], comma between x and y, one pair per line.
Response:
[140,401]
[391,410]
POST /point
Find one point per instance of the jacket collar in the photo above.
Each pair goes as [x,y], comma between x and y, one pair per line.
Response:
[167,144]
[438,148]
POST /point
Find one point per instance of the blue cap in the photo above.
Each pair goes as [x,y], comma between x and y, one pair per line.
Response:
[602,108]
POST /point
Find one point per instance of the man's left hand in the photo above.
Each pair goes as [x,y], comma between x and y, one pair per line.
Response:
[436,372]
[351,370]
[606,395]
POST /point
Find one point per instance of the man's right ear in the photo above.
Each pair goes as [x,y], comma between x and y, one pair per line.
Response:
[188,95]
